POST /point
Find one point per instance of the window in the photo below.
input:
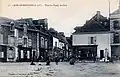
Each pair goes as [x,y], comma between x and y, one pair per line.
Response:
[28,54]
[29,42]
[55,44]
[1,54]
[12,26]
[92,40]
[41,26]
[116,38]
[20,41]
[1,39]
[25,41]
[10,40]
[42,42]
[10,53]
[46,43]
[22,56]
[116,25]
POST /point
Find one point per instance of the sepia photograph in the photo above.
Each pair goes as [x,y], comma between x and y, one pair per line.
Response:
[59,38]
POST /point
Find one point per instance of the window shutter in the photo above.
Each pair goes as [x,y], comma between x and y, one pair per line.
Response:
[89,40]
[94,39]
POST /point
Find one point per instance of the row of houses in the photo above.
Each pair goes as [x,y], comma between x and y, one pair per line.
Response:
[27,39]
[99,37]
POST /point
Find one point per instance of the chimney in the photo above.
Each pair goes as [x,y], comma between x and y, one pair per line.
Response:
[98,15]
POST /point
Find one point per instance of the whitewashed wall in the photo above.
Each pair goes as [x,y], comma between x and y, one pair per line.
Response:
[102,40]
[55,40]
[61,45]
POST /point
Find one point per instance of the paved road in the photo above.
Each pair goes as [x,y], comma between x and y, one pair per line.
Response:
[60,70]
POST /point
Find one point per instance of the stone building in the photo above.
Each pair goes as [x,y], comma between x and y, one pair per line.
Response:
[28,39]
[7,50]
[115,30]
[32,39]
[23,39]
[59,44]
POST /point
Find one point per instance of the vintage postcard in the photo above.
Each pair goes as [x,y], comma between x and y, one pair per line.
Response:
[59,38]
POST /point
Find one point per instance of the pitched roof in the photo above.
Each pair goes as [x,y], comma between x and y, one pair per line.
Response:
[5,20]
[95,24]
[116,12]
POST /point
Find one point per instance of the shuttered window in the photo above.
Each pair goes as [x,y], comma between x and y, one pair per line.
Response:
[91,40]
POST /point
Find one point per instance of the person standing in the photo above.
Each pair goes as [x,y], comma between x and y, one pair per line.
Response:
[56,60]
[47,60]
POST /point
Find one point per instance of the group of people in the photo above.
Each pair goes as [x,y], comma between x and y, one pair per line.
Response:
[56,60]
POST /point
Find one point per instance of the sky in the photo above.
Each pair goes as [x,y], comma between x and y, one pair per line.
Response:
[63,18]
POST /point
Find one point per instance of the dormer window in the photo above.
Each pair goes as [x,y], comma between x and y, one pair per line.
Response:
[25,42]
[41,26]
[105,23]
[12,26]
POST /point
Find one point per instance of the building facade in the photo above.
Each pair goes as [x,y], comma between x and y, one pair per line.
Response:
[115,29]
[32,39]
[7,50]
[59,44]
[24,39]
[93,40]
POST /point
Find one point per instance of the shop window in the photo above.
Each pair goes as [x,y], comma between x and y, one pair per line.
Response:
[22,56]
[1,54]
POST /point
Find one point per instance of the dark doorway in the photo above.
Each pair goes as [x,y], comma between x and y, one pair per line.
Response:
[33,55]
[101,54]
[25,54]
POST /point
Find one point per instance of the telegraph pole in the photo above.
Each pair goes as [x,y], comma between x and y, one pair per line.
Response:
[109,8]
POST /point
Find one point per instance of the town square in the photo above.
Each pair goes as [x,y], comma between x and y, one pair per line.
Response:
[60,38]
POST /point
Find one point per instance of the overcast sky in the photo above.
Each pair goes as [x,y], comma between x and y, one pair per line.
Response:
[62,18]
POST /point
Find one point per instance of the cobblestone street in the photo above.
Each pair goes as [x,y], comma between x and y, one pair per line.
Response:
[61,70]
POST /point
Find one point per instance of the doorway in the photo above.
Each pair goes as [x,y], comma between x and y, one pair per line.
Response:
[24,54]
[101,54]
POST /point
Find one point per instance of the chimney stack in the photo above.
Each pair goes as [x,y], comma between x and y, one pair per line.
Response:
[98,15]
